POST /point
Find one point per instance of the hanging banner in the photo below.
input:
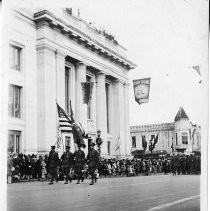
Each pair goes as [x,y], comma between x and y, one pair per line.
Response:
[87,88]
[141,90]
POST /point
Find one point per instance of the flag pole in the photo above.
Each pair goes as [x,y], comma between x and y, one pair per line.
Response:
[56,121]
[62,141]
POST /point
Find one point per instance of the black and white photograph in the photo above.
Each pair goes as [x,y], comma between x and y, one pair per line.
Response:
[104,105]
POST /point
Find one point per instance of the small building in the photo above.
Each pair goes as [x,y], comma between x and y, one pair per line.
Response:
[50,55]
[178,136]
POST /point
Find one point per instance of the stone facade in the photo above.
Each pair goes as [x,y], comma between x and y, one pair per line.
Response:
[178,136]
[56,53]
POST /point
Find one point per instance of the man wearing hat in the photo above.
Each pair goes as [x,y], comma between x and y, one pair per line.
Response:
[93,162]
[79,158]
[53,164]
[67,160]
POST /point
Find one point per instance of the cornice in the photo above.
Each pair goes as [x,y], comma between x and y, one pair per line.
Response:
[152,127]
[92,62]
[82,38]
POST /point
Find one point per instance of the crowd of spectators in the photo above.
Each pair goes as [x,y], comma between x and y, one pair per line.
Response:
[29,167]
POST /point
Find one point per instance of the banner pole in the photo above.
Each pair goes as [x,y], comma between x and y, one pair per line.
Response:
[62,141]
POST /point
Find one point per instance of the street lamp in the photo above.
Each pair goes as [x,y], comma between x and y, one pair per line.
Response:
[99,141]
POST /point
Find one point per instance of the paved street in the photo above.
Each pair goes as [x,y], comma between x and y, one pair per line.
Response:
[159,192]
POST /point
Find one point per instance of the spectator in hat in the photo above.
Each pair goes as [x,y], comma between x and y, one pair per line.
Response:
[53,164]
[39,167]
[79,159]
[93,162]
[67,160]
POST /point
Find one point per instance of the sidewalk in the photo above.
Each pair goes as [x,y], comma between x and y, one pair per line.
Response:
[109,177]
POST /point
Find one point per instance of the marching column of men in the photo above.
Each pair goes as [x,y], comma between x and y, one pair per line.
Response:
[70,160]
[76,160]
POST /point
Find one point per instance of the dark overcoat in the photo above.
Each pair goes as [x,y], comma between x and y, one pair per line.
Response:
[93,158]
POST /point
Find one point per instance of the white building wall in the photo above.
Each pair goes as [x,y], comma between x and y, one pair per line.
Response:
[26,78]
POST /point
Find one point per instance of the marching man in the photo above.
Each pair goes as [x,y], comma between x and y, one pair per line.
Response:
[79,157]
[53,164]
[93,162]
[67,159]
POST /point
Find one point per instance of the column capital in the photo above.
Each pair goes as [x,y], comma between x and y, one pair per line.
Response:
[118,81]
[126,84]
[44,47]
[81,65]
[60,53]
[100,75]
[47,47]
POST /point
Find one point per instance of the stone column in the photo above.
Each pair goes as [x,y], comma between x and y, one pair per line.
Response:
[46,96]
[101,110]
[127,121]
[60,78]
[80,107]
[119,116]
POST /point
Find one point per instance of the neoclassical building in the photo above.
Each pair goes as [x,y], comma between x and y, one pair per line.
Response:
[178,136]
[50,55]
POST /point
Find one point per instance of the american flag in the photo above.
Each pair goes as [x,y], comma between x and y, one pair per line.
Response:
[65,120]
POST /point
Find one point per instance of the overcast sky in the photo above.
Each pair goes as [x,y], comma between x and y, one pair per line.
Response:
[164,38]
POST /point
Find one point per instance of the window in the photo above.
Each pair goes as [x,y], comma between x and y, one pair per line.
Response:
[88,80]
[134,141]
[184,138]
[67,100]
[15,57]
[176,139]
[107,107]
[109,147]
[14,141]
[144,142]
[67,141]
[14,101]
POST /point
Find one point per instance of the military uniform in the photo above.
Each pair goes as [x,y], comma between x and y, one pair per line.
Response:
[174,162]
[53,164]
[67,160]
[93,163]
[79,161]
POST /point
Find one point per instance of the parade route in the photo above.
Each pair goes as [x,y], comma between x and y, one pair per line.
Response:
[144,193]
